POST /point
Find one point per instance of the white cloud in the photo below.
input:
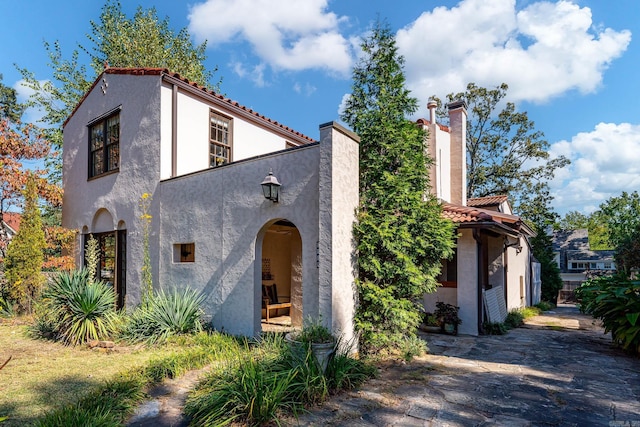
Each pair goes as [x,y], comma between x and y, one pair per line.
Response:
[307,89]
[604,163]
[23,92]
[541,51]
[285,35]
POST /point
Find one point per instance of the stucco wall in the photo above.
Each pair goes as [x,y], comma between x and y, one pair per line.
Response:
[192,132]
[338,192]
[139,169]
[223,211]
[468,282]
[518,272]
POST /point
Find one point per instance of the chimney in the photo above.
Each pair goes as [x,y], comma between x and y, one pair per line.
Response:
[431,106]
[458,129]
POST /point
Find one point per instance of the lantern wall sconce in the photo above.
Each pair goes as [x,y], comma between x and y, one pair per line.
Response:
[271,187]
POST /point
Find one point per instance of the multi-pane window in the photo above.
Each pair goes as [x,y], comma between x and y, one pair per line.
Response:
[104,146]
[220,141]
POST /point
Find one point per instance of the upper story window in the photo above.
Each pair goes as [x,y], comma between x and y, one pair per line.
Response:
[220,139]
[104,146]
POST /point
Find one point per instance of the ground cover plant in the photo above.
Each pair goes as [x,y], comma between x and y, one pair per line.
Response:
[515,318]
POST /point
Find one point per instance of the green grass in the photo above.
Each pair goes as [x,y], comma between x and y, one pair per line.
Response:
[48,377]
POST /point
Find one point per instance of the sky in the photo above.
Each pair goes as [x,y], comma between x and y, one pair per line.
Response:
[571,65]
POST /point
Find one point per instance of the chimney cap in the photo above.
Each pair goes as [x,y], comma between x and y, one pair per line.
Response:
[457,104]
[432,103]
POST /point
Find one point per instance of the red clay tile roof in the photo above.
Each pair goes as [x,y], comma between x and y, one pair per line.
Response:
[164,71]
[469,214]
[480,202]
[426,122]
[12,219]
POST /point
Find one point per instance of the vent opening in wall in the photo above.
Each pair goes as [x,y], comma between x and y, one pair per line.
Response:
[184,252]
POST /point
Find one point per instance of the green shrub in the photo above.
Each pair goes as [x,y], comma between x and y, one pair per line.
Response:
[528,312]
[78,309]
[164,315]
[545,306]
[494,328]
[514,319]
[616,301]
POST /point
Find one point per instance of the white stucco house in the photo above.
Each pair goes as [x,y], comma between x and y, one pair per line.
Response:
[493,255]
[202,158]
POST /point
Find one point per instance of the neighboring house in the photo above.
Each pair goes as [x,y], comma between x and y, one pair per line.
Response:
[202,158]
[9,226]
[493,254]
[577,261]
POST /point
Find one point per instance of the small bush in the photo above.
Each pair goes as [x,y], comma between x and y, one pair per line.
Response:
[164,315]
[616,301]
[494,328]
[514,319]
[77,309]
[545,306]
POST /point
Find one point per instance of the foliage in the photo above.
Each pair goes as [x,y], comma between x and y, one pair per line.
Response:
[110,404]
[314,331]
[430,319]
[545,306]
[164,315]
[24,258]
[401,235]
[494,328]
[505,152]
[146,286]
[542,248]
[514,319]
[82,309]
[594,223]
[9,107]
[627,254]
[141,41]
[616,301]
[447,313]
[274,378]
[144,41]
[622,216]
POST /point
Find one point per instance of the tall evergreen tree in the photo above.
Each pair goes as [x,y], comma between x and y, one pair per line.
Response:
[23,263]
[401,235]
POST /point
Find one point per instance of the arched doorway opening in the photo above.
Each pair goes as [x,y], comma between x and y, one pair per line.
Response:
[281,277]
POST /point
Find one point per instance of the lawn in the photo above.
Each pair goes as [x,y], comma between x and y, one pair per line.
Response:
[43,375]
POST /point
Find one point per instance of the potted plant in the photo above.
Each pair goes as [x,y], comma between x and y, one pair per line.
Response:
[447,314]
[430,323]
[317,336]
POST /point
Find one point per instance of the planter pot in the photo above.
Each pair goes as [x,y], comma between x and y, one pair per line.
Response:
[430,328]
[321,351]
[450,328]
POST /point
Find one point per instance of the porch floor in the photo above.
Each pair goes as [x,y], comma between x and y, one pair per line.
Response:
[277,324]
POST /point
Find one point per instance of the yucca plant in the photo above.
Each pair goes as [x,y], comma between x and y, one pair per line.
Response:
[165,314]
[81,309]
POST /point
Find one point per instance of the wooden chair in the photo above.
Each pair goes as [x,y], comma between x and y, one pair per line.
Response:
[270,299]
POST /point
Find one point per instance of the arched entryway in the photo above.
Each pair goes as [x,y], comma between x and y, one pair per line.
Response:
[281,276]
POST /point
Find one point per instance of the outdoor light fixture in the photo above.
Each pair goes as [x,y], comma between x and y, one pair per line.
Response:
[271,187]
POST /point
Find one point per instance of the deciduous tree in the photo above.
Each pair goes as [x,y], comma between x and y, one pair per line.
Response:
[401,235]
[506,154]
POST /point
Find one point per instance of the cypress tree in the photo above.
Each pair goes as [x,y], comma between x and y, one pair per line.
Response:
[23,263]
[401,234]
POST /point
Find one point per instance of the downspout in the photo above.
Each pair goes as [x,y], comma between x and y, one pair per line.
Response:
[476,237]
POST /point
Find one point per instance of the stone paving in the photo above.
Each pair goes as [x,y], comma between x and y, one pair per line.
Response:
[558,370]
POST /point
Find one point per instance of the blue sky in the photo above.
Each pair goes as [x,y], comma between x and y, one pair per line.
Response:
[572,65]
